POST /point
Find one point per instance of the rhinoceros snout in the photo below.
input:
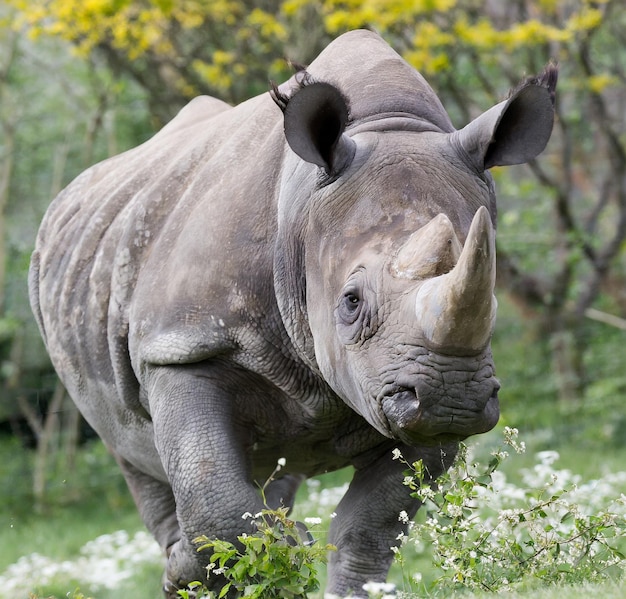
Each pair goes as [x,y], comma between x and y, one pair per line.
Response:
[417,416]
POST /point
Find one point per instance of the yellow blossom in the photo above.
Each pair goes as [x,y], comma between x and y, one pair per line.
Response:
[598,83]
[585,20]
[268,24]
[481,34]
[291,7]
[532,32]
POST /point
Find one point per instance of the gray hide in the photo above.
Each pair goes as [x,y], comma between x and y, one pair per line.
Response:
[315,285]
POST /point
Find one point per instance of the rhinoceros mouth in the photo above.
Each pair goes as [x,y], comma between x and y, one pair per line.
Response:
[418,422]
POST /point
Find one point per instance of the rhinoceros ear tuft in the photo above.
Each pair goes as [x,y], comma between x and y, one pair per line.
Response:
[315,120]
[516,130]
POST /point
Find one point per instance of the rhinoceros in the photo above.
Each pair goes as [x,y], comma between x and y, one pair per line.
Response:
[308,275]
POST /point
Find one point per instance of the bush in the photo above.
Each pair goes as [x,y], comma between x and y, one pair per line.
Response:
[489,535]
[280,560]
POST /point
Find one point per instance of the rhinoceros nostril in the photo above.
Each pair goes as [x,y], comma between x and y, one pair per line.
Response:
[397,392]
[402,407]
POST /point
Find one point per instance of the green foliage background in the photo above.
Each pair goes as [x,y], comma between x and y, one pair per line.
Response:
[84,79]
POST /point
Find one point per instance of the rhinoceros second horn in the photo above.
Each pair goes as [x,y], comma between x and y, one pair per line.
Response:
[431,251]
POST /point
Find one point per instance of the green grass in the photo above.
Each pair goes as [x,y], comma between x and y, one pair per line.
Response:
[609,590]
[63,532]
[105,506]
[145,585]
[81,504]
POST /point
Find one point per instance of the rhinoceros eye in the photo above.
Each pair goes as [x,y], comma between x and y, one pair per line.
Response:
[356,309]
[352,300]
[349,307]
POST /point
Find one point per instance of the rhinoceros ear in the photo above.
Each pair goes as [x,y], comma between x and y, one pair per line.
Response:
[315,119]
[516,130]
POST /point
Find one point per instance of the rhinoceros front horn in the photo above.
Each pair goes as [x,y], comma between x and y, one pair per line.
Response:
[456,311]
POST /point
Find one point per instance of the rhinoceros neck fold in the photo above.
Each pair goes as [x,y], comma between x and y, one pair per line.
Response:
[289,270]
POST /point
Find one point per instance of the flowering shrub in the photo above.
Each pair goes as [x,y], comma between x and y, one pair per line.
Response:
[280,560]
[487,534]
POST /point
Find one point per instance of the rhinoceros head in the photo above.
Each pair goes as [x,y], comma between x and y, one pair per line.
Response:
[386,269]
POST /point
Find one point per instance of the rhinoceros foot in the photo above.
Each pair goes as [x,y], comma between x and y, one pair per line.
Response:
[170,591]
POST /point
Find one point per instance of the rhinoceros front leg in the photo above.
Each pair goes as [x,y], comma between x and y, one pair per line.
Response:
[201,447]
[367,522]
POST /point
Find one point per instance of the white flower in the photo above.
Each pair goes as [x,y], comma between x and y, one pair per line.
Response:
[313,521]
[281,462]
[246,515]
[379,587]
[426,493]
[403,517]
[455,511]
[547,458]
[396,454]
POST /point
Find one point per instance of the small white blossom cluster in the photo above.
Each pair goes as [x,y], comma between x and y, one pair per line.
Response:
[510,438]
[104,562]
[380,590]
[591,496]
[249,516]
[213,570]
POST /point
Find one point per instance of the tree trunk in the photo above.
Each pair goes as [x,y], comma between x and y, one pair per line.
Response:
[45,447]
[567,356]
[6,171]
[7,147]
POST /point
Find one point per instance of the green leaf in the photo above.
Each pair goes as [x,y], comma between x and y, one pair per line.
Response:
[564,567]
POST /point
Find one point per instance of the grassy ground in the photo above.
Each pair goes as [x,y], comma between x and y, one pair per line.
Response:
[82,504]
[105,507]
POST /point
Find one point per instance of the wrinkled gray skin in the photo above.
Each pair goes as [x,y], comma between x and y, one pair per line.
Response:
[249,285]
